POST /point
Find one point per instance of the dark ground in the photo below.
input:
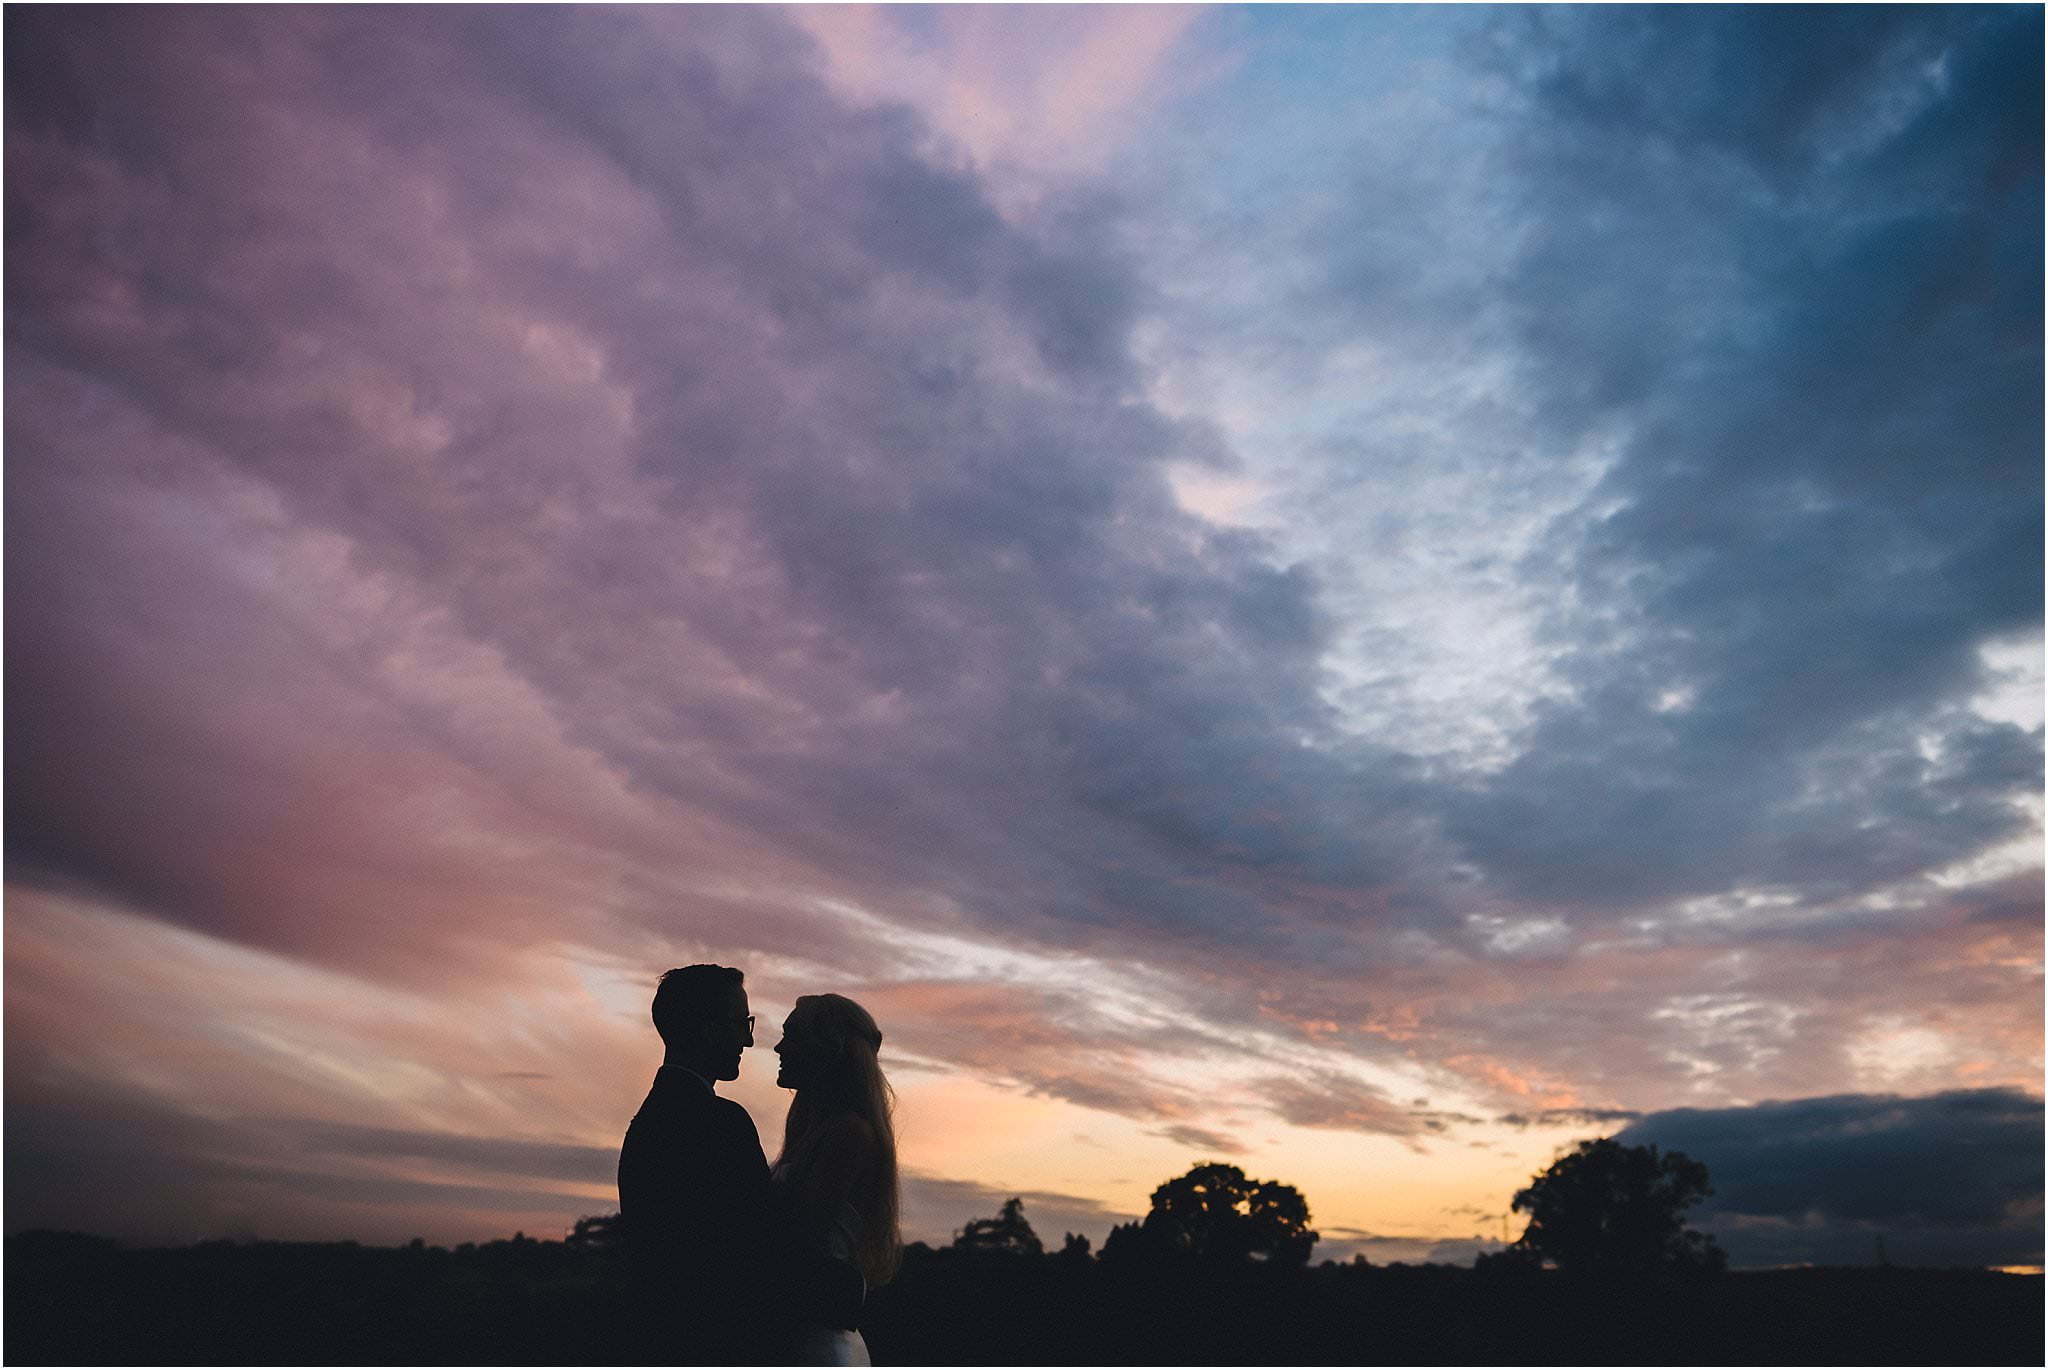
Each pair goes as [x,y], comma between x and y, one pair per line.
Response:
[78,1300]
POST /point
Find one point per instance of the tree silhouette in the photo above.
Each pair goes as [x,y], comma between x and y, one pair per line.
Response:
[1214,1213]
[601,1232]
[1129,1243]
[1611,1209]
[1007,1232]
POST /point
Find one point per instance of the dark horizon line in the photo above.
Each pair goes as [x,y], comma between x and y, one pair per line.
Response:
[2035,1269]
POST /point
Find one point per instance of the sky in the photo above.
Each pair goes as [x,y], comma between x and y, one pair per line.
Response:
[1361,592]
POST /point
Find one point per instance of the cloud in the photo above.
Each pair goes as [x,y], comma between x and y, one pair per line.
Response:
[1342,1244]
[1569,1117]
[120,1161]
[1658,408]
[1202,1139]
[1676,599]
[935,1209]
[1949,1178]
[1055,1042]
[813,501]
[1687,1009]
[508,1155]
[1336,1101]
[788,452]
[138,1106]
[1052,93]
[1827,436]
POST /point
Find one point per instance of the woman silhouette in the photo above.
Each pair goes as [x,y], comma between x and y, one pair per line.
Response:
[836,1176]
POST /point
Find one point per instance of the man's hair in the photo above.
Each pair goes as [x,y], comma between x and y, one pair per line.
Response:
[690,992]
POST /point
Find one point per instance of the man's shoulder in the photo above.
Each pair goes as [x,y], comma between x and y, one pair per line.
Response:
[732,1113]
[669,1106]
[691,1106]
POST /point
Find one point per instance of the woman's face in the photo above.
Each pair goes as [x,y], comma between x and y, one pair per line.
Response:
[805,1055]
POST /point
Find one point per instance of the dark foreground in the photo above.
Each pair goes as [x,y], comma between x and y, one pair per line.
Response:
[73,1300]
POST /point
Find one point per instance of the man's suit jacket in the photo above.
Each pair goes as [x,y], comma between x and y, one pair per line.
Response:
[693,1203]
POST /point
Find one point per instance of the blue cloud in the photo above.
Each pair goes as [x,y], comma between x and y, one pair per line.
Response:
[1821,343]
[1950,1178]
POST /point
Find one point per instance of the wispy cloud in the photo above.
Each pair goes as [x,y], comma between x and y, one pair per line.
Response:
[1202,1139]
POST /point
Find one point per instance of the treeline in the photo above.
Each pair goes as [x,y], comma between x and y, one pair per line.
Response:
[954,1307]
[74,1300]
[1217,1272]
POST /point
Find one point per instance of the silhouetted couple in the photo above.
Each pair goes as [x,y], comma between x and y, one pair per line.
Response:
[735,1261]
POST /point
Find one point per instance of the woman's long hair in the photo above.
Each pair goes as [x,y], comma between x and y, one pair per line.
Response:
[854,1085]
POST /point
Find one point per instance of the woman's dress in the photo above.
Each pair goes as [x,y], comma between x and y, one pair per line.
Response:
[836,1235]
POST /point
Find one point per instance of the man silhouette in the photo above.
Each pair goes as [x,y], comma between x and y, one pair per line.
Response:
[693,1183]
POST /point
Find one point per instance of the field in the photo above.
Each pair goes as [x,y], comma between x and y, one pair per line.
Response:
[80,1300]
